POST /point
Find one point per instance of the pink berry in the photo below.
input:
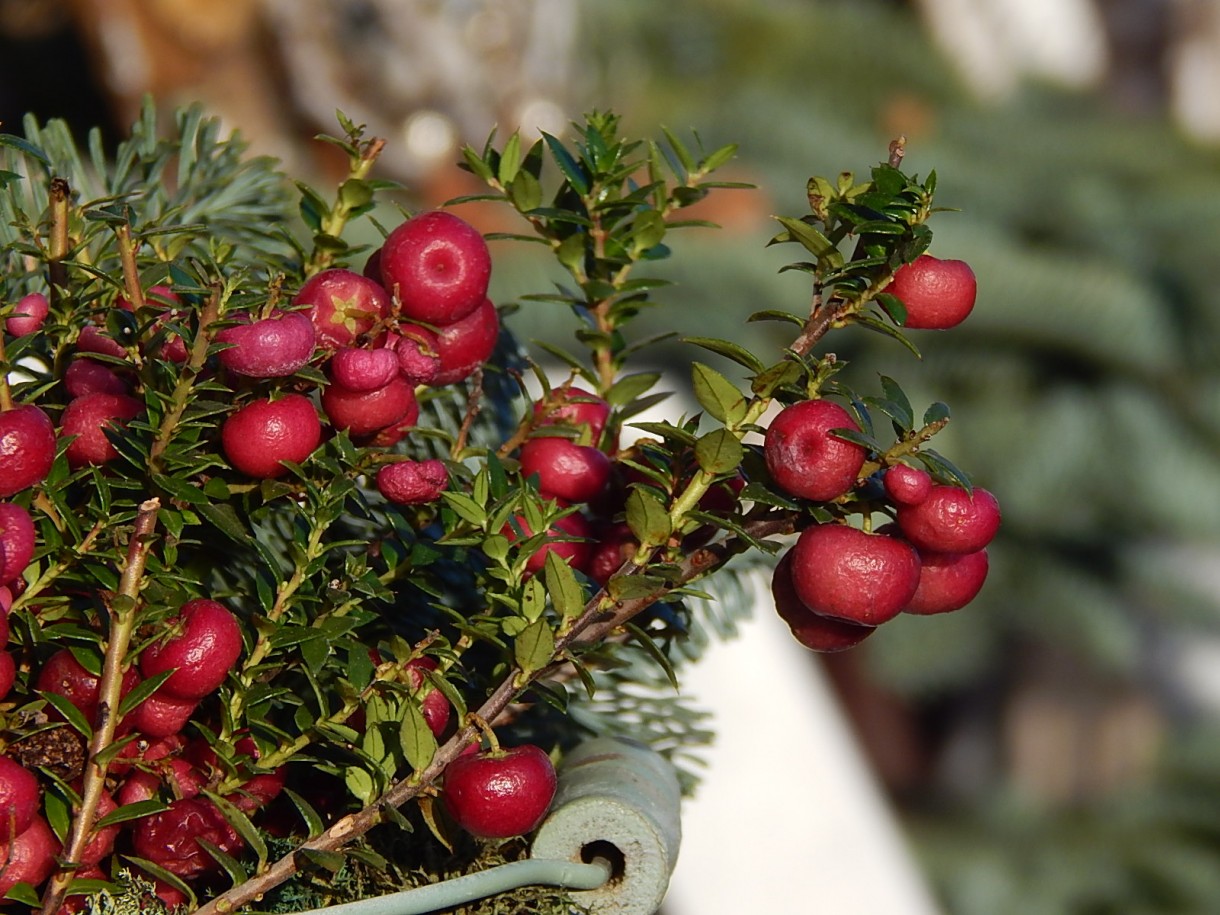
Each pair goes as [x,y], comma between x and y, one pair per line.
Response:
[27,315]
[27,448]
[413,482]
[438,267]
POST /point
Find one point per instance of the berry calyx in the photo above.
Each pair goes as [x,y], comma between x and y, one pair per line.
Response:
[500,793]
[342,306]
[805,459]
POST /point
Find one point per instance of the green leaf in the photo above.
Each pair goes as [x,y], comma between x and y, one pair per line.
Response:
[813,241]
[771,314]
[241,823]
[327,860]
[355,193]
[466,507]
[510,160]
[729,350]
[360,783]
[647,517]
[534,647]
[635,587]
[525,193]
[943,469]
[719,452]
[224,517]
[717,395]
[570,167]
[647,231]
[775,377]
[416,738]
[654,651]
[313,821]
[896,396]
[567,596]
[628,387]
[533,597]
[937,413]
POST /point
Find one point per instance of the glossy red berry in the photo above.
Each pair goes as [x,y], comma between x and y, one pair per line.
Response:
[565,470]
[805,459]
[948,581]
[938,294]
[848,574]
[466,344]
[90,419]
[814,631]
[264,433]
[951,520]
[27,315]
[438,267]
[500,794]
[206,644]
[27,448]
[20,798]
[907,485]
[17,536]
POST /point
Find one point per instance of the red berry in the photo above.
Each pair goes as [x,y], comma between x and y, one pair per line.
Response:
[419,360]
[27,315]
[565,470]
[465,345]
[88,418]
[574,406]
[264,433]
[94,340]
[20,798]
[170,838]
[413,482]
[367,412]
[433,705]
[161,714]
[88,376]
[8,671]
[851,575]
[814,631]
[357,369]
[102,841]
[63,675]
[29,858]
[951,520]
[27,448]
[496,795]
[574,548]
[271,347]
[613,544]
[201,654]
[438,267]
[804,459]
[938,294]
[343,305]
[907,485]
[948,581]
[17,537]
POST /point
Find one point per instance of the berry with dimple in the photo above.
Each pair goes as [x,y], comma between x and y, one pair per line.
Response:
[805,459]
[204,648]
[951,520]
[813,630]
[500,793]
[938,294]
[367,412]
[27,315]
[89,418]
[465,345]
[438,267]
[356,369]
[948,581]
[17,536]
[270,347]
[27,448]
[264,433]
[30,857]
[848,574]
[413,482]
[20,798]
[565,470]
[343,305]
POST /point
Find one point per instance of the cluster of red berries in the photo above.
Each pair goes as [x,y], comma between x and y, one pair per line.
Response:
[838,583]
[418,315]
